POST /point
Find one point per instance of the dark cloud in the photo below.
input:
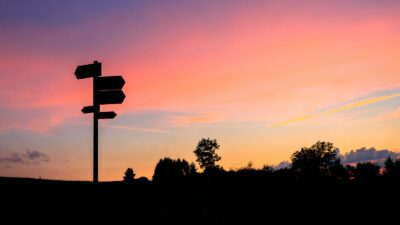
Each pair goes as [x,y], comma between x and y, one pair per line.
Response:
[371,154]
[36,155]
[12,158]
[283,165]
[28,157]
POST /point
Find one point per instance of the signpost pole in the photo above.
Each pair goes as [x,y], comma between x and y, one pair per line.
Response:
[96,111]
[106,90]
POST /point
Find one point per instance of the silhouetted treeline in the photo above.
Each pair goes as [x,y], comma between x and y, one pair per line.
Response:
[318,163]
[316,189]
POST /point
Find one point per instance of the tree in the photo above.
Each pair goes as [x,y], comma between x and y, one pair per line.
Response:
[318,159]
[171,169]
[267,168]
[206,155]
[129,175]
[392,168]
[389,165]
[192,169]
[338,171]
[366,171]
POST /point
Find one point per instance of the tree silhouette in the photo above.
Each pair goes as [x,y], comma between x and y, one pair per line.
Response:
[392,168]
[389,165]
[206,155]
[351,170]
[338,171]
[170,169]
[318,159]
[267,168]
[192,169]
[366,171]
[129,175]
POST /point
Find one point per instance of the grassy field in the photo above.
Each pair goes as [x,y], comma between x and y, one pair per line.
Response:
[33,201]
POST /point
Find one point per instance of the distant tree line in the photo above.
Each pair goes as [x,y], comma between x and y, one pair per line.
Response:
[320,162]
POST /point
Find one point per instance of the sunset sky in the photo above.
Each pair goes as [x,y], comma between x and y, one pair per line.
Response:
[264,78]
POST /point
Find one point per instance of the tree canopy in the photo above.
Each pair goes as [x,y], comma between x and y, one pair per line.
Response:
[366,171]
[206,153]
[320,158]
[129,175]
[171,169]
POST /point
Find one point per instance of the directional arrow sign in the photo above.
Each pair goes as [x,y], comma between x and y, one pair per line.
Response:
[88,109]
[106,115]
[109,82]
[110,97]
[89,70]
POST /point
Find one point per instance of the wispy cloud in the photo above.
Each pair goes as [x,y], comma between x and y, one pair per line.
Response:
[154,130]
[132,128]
[188,119]
[28,157]
[346,107]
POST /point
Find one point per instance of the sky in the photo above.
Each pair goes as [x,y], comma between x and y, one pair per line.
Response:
[264,78]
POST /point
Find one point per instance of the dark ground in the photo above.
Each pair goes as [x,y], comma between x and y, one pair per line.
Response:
[32,201]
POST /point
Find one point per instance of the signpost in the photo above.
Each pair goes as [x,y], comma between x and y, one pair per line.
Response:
[106,90]
[87,71]
[88,109]
[110,82]
[110,97]
[107,115]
